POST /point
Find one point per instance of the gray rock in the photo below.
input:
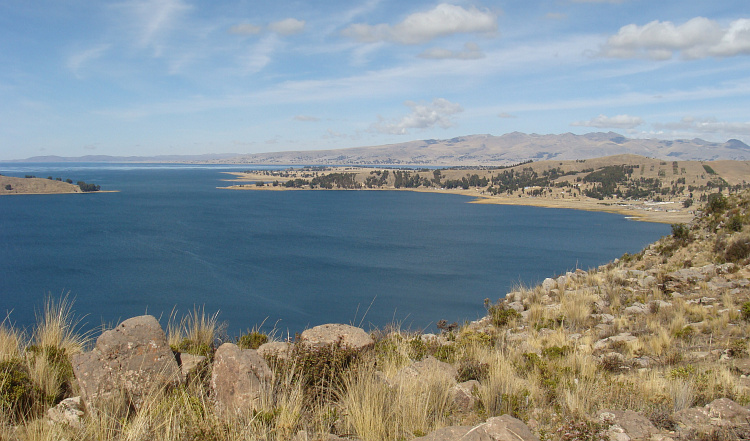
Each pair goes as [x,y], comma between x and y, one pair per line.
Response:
[132,359]
[326,335]
[275,349]
[68,411]
[517,306]
[192,367]
[463,397]
[634,425]
[548,284]
[427,368]
[722,412]
[238,378]
[502,428]
[636,308]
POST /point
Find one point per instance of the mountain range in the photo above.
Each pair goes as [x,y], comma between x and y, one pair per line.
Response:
[468,150]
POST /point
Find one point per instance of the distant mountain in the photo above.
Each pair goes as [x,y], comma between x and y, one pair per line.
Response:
[467,150]
[509,148]
[132,159]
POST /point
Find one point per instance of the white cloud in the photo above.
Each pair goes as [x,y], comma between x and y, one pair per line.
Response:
[422,116]
[697,38]
[306,118]
[700,126]
[287,26]
[421,27]
[505,115]
[471,51]
[245,29]
[556,16]
[617,122]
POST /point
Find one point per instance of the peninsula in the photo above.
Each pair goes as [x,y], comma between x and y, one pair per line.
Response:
[10,185]
[644,188]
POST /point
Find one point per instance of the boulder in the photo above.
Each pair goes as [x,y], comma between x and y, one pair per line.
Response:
[275,349]
[548,284]
[722,412]
[633,424]
[349,337]
[132,359]
[429,367]
[192,367]
[502,428]
[68,411]
[462,395]
[238,378]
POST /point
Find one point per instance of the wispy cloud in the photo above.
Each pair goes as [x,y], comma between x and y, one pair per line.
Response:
[245,29]
[421,27]
[706,126]
[616,122]
[76,61]
[422,116]
[306,118]
[471,51]
[288,26]
[697,38]
[151,19]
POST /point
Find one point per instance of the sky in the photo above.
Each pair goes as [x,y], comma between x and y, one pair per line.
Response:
[163,77]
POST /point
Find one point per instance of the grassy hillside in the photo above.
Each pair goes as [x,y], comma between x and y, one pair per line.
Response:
[656,333]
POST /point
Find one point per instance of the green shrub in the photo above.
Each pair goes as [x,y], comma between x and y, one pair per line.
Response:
[191,347]
[680,231]
[738,250]
[745,311]
[252,340]
[319,369]
[501,315]
[735,223]
[582,431]
[717,203]
[472,370]
[19,396]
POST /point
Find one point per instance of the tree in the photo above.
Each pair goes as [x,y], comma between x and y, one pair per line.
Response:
[8,187]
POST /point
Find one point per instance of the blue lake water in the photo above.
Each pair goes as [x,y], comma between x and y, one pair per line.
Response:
[170,239]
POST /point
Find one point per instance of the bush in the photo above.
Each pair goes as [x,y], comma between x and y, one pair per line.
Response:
[252,340]
[738,250]
[745,311]
[192,347]
[501,315]
[680,231]
[717,203]
[472,370]
[582,431]
[319,369]
[735,223]
[19,396]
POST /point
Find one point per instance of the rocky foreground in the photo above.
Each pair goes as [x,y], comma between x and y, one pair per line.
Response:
[652,346]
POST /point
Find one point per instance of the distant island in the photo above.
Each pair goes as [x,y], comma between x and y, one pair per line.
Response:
[644,188]
[32,185]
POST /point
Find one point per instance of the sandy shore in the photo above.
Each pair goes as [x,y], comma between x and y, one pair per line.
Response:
[668,213]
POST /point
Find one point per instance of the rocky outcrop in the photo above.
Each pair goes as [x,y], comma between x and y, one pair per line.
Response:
[132,359]
[347,336]
[627,422]
[718,413]
[502,428]
[238,378]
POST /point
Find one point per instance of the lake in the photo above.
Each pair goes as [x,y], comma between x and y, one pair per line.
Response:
[169,239]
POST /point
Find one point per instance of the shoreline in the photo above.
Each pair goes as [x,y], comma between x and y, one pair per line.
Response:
[633,211]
